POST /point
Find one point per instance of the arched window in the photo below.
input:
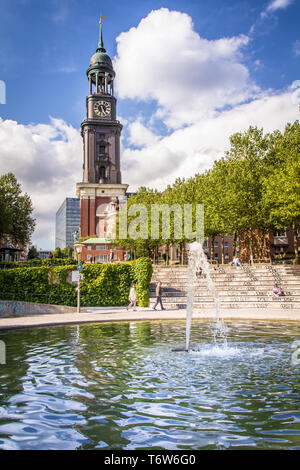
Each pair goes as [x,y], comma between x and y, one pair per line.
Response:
[102,172]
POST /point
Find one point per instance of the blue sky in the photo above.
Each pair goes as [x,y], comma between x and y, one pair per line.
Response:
[231,62]
[46,46]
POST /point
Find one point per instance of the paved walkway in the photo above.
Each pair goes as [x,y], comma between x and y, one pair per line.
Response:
[117,314]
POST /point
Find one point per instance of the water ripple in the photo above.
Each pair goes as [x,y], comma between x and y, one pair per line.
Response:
[119,386]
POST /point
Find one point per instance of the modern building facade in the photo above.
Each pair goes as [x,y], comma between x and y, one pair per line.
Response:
[67,222]
[101,189]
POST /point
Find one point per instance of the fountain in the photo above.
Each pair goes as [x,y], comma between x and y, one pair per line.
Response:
[197,259]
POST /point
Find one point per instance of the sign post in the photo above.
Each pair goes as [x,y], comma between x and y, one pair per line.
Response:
[79,269]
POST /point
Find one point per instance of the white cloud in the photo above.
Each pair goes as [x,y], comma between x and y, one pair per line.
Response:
[194,148]
[191,79]
[165,60]
[140,135]
[47,160]
[278,4]
[275,5]
[68,69]
[296,47]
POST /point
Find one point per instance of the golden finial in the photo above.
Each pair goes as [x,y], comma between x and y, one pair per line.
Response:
[102,18]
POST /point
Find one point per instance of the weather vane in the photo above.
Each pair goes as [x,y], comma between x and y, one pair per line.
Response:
[102,18]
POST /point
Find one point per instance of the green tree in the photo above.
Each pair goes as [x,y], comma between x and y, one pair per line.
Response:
[33,253]
[58,253]
[16,222]
[67,252]
[143,245]
[281,187]
[247,164]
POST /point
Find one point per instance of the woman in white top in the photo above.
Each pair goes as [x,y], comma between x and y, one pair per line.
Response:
[132,298]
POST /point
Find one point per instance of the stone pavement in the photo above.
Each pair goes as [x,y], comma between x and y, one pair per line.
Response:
[117,314]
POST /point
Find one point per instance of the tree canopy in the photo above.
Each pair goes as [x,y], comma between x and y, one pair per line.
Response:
[254,186]
[16,221]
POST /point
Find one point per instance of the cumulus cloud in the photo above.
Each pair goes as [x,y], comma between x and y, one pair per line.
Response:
[193,149]
[47,160]
[165,60]
[200,88]
[140,135]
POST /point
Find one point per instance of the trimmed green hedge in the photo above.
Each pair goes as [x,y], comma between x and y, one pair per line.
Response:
[37,263]
[102,284]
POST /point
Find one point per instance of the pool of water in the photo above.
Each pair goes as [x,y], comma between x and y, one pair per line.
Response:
[119,386]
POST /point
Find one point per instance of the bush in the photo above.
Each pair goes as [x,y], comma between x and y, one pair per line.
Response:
[102,284]
[38,263]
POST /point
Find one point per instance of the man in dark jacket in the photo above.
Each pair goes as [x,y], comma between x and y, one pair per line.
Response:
[158,296]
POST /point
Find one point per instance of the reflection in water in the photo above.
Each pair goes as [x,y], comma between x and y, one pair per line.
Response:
[118,386]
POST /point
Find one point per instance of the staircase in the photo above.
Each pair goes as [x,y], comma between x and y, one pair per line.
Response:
[237,287]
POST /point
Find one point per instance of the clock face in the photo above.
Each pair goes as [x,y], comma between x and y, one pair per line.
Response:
[102,108]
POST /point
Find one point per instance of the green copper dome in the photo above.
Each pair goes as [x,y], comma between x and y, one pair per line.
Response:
[101,58]
[100,61]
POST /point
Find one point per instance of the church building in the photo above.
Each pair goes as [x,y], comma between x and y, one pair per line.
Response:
[101,190]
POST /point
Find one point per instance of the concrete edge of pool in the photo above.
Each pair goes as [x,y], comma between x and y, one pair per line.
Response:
[119,315]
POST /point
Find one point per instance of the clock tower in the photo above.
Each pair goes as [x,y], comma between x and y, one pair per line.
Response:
[101,187]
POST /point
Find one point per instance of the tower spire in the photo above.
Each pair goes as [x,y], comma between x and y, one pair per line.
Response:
[101,44]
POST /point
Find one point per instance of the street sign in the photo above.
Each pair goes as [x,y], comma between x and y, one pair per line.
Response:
[75,276]
[79,267]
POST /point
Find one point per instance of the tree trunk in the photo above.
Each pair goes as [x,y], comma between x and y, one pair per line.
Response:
[212,248]
[251,246]
[223,257]
[262,242]
[181,252]
[234,244]
[295,228]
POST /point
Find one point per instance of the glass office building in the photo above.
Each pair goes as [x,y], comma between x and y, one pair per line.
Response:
[67,222]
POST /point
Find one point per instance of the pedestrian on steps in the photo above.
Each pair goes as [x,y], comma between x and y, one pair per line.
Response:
[158,296]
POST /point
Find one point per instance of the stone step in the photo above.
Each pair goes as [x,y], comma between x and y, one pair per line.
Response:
[231,273]
[229,305]
[222,295]
[203,284]
[258,268]
[249,287]
[232,299]
[232,293]
[225,275]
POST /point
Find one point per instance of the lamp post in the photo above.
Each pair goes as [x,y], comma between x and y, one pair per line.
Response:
[78,250]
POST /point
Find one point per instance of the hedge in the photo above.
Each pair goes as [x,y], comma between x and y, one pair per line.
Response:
[102,284]
[37,263]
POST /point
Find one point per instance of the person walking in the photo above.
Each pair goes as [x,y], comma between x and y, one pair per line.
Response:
[132,298]
[158,296]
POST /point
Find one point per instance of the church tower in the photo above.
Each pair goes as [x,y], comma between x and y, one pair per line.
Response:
[101,187]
